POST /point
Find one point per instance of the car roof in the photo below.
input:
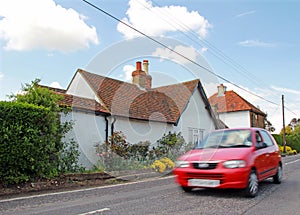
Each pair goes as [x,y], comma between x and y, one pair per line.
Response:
[242,128]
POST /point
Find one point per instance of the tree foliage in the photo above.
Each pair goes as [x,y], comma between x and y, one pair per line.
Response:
[32,141]
[292,133]
[27,149]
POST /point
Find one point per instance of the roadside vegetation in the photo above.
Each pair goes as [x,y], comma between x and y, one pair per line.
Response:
[32,144]
[118,154]
[292,134]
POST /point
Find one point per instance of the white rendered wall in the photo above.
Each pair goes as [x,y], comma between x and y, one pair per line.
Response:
[88,131]
[137,130]
[195,116]
[236,119]
[80,88]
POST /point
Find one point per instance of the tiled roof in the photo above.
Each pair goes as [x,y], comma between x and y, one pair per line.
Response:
[57,90]
[124,99]
[232,102]
[81,103]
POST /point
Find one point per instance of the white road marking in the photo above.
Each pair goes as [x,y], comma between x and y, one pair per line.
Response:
[86,189]
[96,211]
[292,162]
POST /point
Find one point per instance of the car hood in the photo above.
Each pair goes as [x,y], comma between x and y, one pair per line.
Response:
[216,154]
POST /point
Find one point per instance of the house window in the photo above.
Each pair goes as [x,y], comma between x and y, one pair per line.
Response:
[196,135]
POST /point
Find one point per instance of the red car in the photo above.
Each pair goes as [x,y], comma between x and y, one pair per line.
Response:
[231,158]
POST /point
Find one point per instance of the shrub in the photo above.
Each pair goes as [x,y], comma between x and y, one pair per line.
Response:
[27,149]
[288,149]
[159,166]
[162,164]
[31,136]
[118,154]
[139,151]
[170,145]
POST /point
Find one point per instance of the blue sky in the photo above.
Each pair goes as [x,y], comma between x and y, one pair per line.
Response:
[253,44]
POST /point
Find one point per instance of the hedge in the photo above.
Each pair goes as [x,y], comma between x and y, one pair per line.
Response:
[27,142]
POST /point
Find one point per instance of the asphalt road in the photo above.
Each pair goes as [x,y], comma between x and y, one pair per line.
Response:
[162,196]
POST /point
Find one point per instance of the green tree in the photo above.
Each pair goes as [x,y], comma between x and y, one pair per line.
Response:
[288,130]
[293,139]
[66,154]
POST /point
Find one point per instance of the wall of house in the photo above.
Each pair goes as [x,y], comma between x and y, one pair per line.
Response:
[137,130]
[88,131]
[79,87]
[195,116]
[236,119]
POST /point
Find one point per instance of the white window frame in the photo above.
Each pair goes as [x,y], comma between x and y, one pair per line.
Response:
[196,135]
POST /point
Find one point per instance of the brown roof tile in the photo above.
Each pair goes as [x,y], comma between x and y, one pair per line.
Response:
[232,102]
[81,103]
[124,99]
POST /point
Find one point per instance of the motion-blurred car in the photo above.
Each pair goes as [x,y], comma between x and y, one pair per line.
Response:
[231,158]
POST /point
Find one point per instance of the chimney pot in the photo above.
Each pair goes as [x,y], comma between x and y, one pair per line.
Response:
[138,65]
[145,66]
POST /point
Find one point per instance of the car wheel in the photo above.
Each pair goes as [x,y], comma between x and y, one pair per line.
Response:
[252,187]
[186,189]
[277,178]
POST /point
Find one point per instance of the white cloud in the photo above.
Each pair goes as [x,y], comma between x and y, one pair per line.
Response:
[55,84]
[245,13]
[127,76]
[157,21]
[188,52]
[256,43]
[286,90]
[42,24]
[1,76]
[204,49]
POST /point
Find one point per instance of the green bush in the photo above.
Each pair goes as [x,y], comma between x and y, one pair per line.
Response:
[27,149]
[292,139]
[170,145]
[32,144]
[278,139]
[118,154]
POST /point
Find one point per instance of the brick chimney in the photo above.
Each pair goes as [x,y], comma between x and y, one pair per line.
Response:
[141,77]
[221,90]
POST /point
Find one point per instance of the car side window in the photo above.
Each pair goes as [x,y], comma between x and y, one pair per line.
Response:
[267,139]
[258,137]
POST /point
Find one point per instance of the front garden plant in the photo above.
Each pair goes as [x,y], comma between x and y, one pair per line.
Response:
[118,154]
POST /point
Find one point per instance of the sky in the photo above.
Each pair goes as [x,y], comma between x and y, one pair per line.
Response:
[252,47]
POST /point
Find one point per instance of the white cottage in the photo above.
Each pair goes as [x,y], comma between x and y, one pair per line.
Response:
[235,111]
[102,105]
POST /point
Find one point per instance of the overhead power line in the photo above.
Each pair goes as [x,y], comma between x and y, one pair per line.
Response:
[211,48]
[176,52]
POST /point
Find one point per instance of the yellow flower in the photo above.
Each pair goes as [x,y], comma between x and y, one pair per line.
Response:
[158,166]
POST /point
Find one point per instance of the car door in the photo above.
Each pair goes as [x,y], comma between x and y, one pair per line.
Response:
[271,153]
[261,157]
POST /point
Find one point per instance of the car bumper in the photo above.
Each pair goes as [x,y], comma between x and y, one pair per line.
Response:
[227,178]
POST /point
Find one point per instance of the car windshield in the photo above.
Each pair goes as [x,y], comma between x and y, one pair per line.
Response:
[227,139]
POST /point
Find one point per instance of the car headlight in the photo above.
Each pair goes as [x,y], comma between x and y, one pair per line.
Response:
[182,164]
[234,164]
